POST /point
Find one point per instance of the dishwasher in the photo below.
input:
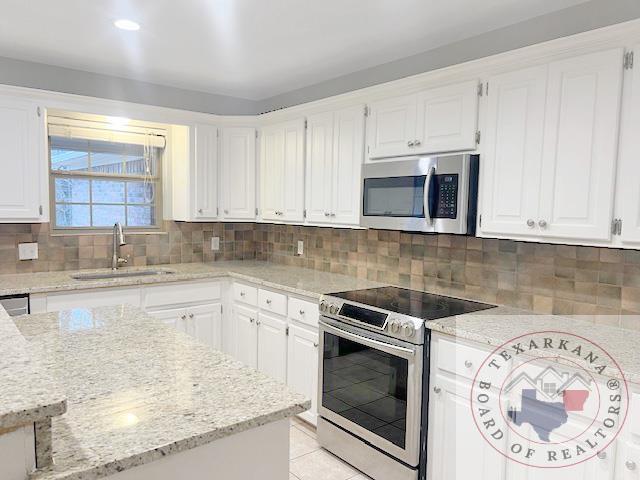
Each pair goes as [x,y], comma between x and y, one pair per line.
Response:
[15,304]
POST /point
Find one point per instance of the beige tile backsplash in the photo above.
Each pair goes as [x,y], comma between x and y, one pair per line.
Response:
[541,277]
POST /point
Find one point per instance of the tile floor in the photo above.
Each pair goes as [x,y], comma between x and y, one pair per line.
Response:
[309,461]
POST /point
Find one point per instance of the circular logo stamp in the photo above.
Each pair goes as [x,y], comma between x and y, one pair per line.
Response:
[549,399]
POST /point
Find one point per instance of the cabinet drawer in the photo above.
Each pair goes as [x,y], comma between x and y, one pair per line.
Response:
[459,359]
[245,294]
[304,311]
[272,302]
[181,293]
[100,297]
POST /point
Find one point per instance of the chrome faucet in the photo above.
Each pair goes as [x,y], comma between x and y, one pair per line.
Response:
[118,241]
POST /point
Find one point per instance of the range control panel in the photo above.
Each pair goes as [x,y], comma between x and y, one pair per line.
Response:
[447,199]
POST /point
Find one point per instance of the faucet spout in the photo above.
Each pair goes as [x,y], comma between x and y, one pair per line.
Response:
[118,241]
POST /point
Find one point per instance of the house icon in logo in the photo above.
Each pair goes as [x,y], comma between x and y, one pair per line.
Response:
[549,384]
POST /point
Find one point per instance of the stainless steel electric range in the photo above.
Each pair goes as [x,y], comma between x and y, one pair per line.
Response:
[374,377]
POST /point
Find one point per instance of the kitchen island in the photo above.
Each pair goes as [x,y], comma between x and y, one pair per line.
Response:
[146,401]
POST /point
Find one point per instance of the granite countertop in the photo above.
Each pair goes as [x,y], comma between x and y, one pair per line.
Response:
[497,326]
[138,390]
[29,392]
[301,281]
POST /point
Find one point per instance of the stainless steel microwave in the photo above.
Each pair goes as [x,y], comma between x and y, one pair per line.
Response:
[425,194]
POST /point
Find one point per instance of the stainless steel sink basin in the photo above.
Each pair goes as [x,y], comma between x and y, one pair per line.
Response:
[125,274]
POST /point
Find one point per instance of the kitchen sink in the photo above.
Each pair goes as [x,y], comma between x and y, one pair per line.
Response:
[124,274]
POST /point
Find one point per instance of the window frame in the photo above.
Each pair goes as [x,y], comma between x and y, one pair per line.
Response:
[157,180]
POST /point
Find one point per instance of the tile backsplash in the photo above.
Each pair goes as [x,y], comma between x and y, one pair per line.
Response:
[545,278]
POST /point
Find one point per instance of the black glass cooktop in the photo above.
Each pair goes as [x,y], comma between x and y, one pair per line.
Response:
[427,306]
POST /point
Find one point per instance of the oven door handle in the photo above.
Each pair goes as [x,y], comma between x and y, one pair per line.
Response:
[427,190]
[385,347]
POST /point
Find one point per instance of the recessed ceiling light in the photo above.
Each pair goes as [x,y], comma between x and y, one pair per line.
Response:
[125,24]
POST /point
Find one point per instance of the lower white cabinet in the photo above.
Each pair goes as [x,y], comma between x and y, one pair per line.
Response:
[272,345]
[302,366]
[246,335]
[202,322]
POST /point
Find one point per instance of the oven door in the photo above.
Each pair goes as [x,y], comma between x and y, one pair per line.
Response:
[372,387]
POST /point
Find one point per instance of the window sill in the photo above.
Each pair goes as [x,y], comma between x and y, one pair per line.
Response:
[76,233]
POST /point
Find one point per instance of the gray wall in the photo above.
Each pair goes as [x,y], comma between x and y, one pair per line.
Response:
[580,18]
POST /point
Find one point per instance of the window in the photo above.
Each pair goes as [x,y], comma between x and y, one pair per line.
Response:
[96,183]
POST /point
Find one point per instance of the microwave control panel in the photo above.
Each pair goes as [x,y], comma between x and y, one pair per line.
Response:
[447,200]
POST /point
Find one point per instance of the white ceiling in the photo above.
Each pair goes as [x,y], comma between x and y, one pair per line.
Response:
[246,48]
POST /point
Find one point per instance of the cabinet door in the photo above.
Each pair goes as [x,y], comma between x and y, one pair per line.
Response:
[447,118]
[580,146]
[246,335]
[205,323]
[319,167]
[512,163]
[348,145]
[293,173]
[302,366]
[22,160]
[629,178]
[458,450]
[391,127]
[272,346]
[627,461]
[206,172]
[271,171]
[238,173]
[174,317]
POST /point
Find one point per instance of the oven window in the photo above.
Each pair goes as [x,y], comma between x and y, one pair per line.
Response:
[394,197]
[366,386]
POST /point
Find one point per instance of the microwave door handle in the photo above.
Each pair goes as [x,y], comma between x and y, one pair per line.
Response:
[426,191]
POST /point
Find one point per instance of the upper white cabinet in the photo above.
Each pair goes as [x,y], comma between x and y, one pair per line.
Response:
[238,173]
[629,177]
[511,166]
[22,142]
[549,171]
[282,171]
[443,119]
[335,142]
[206,172]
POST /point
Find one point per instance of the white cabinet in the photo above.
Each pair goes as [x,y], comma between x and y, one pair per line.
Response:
[282,171]
[302,367]
[272,345]
[580,146]
[22,157]
[238,173]
[549,172]
[174,317]
[334,166]
[627,461]
[443,119]
[512,163]
[246,335]
[206,172]
[202,322]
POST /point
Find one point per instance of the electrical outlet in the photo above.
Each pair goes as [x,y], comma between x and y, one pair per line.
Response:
[300,247]
[215,243]
[28,251]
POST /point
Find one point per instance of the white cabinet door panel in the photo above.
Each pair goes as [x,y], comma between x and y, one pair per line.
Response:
[271,171]
[447,118]
[174,317]
[319,167]
[238,173]
[246,335]
[205,323]
[206,171]
[348,146]
[272,346]
[22,160]
[580,145]
[391,126]
[512,163]
[627,461]
[293,191]
[302,366]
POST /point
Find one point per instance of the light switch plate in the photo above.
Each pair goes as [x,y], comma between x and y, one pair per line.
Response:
[28,251]
[215,243]
[300,247]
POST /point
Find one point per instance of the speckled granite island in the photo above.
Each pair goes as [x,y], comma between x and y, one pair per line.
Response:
[146,401]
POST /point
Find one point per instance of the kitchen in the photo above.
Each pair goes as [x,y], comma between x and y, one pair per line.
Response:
[212,270]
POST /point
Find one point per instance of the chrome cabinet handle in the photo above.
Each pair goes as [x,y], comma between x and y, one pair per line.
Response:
[425,200]
[333,214]
[315,345]
[268,301]
[258,322]
[631,465]
[327,214]
[301,312]
[191,315]
[242,294]
[410,143]
[199,210]
[542,223]
[417,143]
[602,455]
[251,320]
[437,390]
[226,211]
[531,223]
[468,363]
[183,317]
